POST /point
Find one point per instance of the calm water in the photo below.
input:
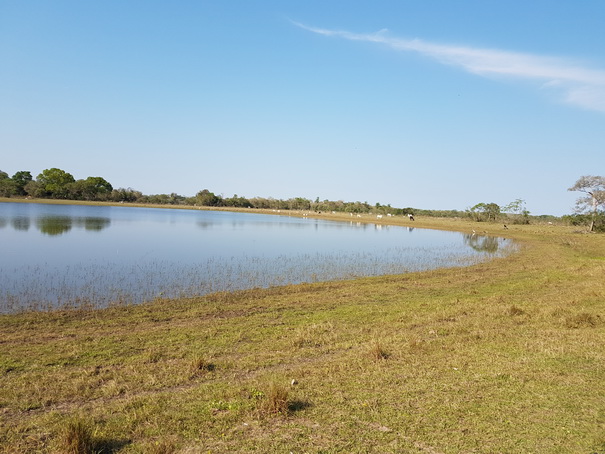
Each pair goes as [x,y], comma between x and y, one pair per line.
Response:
[55,255]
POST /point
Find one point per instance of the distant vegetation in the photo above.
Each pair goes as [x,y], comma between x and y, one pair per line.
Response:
[55,183]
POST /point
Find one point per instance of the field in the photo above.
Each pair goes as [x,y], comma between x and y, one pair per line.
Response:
[501,357]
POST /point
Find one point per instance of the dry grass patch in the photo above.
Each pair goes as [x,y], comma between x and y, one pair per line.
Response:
[76,438]
[200,365]
[274,401]
[377,351]
[314,335]
[582,320]
[515,311]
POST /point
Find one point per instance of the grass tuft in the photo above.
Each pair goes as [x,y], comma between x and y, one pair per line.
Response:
[274,402]
[315,335]
[377,352]
[581,320]
[200,365]
[162,447]
[515,311]
[76,438]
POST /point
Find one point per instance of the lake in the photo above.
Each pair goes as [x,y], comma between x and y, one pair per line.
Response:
[58,255]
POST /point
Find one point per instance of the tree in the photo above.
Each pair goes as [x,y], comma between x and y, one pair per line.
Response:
[519,213]
[21,179]
[55,182]
[594,188]
[207,198]
[125,195]
[485,212]
[7,186]
[34,189]
[95,188]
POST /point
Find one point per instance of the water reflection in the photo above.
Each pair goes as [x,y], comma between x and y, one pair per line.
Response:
[481,243]
[21,223]
[92,224]
[56,225]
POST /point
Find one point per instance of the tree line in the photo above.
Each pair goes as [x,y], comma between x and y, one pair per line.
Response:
[56,183]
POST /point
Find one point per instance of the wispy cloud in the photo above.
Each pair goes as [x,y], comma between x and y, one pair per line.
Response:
[578,85]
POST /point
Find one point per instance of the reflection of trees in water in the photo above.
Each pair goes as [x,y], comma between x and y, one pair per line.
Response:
[54,225]
[57,225]
[482,243]
[94,224]
[21,223]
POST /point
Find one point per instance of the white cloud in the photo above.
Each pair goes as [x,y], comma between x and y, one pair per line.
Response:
[579,85]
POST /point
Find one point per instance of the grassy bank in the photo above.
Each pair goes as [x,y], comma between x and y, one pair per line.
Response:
[505,356]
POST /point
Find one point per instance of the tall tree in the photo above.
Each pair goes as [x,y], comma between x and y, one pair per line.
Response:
[520,215]
[96,188]
[20,179]
[485,211]
[594,188]
[7,185]
[55,182]
[207,198]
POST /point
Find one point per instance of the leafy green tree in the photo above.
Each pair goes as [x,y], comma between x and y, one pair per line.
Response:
[485,212]
[76,190]
[34,189]
[55,182]
[21,179]
[96,188]
[207,198]
[594,189]
[125,195]
[239,202]
[7,185]
[299,203]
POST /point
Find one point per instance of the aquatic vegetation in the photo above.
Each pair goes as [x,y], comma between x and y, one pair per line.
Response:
[104,284]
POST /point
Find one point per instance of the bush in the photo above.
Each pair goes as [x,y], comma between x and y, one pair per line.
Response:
[585,220]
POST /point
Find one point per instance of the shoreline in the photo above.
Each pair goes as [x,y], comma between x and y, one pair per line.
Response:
[495,357]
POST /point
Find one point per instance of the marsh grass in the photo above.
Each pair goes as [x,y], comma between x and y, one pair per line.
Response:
[502,356]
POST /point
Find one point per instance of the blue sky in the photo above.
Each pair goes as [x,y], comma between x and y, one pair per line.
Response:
[429,104]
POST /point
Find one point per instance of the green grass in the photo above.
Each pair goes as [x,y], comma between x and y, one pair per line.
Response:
[501,357]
